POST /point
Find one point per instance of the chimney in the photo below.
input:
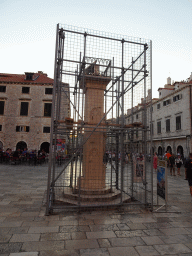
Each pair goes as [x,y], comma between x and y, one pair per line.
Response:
[190,79]
[41,72]
[169,80]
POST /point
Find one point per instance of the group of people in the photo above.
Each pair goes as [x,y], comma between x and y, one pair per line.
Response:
[177,161]
[22,156]
[172,162]
[111,156]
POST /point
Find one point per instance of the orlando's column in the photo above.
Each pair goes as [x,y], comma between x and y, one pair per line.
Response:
[93,150]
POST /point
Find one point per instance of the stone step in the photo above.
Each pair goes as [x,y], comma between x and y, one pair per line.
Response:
[92,198]
[92,191]
[111,199]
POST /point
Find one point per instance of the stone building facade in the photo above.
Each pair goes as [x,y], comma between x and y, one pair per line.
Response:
[25,110]
[172,115]
[171,126]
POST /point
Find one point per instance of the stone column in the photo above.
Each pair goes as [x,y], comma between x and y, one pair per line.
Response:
[93,151]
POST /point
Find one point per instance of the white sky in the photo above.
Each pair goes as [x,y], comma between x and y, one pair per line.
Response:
[28,31]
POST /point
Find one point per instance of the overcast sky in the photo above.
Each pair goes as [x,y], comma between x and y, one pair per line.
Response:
[28,30]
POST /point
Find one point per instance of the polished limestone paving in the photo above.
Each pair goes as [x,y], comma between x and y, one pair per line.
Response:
[26,231]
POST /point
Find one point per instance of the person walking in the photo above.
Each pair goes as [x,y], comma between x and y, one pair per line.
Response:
[188,168]
[155,159]
[172,164]
[178,162]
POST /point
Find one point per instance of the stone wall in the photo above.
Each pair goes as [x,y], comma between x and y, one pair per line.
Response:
[35,119]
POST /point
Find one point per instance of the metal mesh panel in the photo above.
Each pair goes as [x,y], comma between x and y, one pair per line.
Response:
[101,116]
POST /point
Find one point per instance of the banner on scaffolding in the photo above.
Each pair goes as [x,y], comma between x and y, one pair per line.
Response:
[162,179]
[60,144]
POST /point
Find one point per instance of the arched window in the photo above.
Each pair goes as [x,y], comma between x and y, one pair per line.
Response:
[180,150]
[160,151]
[169,149]
[21,145]
[45,147]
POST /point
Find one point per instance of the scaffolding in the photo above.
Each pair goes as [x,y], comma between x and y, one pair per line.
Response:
[100,141]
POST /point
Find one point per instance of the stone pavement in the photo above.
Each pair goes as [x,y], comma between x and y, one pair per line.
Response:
[26,231]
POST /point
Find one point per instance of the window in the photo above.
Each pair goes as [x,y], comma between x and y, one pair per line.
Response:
[168,125]
[47,109]
[24,108]
[2,104]
[0,127]
[2,88]
[177,97]
[48,90]
[137,116]
[159,127]
[25,89]
[166,102]
[29,76]
[22,128]
[158,106]
[151,132]
[46,129]
[178,122]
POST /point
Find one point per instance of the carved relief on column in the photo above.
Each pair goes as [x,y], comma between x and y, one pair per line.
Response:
[95,115]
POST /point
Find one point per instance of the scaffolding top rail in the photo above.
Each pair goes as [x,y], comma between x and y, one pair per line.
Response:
[94,33]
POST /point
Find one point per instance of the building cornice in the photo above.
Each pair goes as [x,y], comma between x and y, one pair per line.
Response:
[26,83]
[170,138]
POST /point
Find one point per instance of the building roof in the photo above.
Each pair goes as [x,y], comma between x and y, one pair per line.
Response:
[39,78]
[165,88]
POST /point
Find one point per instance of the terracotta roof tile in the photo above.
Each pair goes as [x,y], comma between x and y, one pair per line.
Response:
[16,78]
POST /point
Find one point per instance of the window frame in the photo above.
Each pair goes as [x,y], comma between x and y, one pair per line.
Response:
[152,128]
[3,108]
[178,125]
[45,127]
[158,127]
[22,110]
[1,87]
[168,125]
[22,128]
[48,114]
[177,97]
[23,88]
[47,89]
[166,102]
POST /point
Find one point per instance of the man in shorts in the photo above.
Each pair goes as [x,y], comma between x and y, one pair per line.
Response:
[188,168]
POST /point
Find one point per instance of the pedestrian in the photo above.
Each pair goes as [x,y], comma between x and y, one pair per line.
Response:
[155,159]
[109,156]
[188,167]
[166,157]
[119,156]
[126,159]
[178,162]
[184,161]
[172,164]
